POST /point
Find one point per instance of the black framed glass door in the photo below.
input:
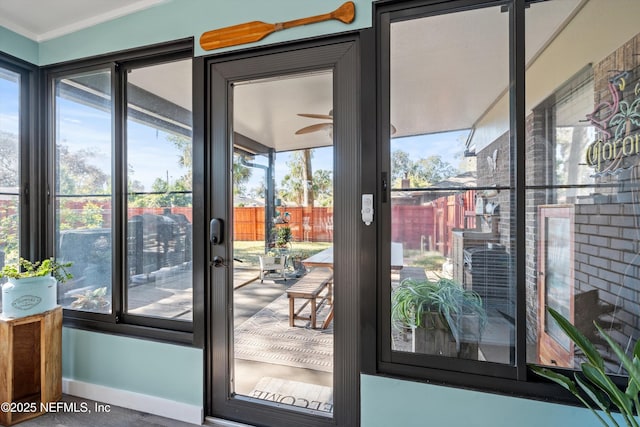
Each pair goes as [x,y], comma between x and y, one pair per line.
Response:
[283,269]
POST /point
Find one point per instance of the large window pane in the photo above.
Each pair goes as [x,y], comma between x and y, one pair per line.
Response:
[9,166]
[452,290]
[83,147]
[159,184]
[583,116]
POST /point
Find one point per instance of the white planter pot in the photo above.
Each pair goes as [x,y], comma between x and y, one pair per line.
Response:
[24,297]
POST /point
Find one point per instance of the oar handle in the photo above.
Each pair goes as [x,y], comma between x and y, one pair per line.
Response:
[344,13]
[303,21]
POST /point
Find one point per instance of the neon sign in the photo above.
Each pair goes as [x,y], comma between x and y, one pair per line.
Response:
[606,154]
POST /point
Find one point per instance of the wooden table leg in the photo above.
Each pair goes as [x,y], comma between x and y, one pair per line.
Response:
[325,325]
[291,312]
[313,313]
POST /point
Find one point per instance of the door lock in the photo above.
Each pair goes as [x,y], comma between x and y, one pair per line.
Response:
[218,262]
[367,209]
[216,231]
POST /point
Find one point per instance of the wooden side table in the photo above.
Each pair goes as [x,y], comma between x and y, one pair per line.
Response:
[30,365]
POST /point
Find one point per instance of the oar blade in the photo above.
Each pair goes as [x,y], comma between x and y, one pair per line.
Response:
[345,13]
[248,32]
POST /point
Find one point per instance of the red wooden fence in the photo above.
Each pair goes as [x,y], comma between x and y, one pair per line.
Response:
[427,226]
[307,224]
[430,226]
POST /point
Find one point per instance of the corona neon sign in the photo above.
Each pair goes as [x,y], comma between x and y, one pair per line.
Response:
[618,116]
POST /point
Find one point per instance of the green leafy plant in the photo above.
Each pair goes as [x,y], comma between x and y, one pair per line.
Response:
[414,298]
[592,384]
[25,269]
[283,236]
[94,300]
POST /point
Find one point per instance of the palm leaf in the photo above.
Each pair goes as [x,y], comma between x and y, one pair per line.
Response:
[604,383]
[632,368]
[601,399]
[566,383]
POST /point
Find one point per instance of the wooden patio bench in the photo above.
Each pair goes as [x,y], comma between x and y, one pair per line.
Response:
[311,287]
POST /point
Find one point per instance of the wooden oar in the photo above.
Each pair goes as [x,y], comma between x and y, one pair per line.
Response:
[257,30]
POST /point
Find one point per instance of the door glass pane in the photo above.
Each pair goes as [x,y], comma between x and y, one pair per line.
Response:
[83,184]
[557,274]
[9,167]
[282,241]
[583,129]
[452,246]
[159,187]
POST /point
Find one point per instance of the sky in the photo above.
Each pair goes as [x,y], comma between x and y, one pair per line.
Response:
[150,154]
[448,145]
[9,105]
[9,109]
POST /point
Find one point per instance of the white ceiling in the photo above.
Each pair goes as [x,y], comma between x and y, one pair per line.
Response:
[267,110]
[41,20]
[446,80]
[427,97]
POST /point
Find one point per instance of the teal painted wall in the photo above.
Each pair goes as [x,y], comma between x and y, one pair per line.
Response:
[18,46]
[190,18]
[388,402]
[147,367]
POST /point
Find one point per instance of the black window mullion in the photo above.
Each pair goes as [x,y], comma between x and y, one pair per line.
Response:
[28,171]
[517,100]
[118,192]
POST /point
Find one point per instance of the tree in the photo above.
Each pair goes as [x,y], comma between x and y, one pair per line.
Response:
[421,172]
[323,187]
[8,159]
[432,169]
[401,165]
[164,194]
[184,145]
[241,175]
[77,176]
[300,184]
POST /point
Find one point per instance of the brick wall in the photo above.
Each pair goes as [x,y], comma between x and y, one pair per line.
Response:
[606,222]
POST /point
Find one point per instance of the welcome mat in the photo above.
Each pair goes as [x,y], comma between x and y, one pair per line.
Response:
[295,393]
[267,337]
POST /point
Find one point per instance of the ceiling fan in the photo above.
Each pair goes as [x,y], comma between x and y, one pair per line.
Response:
[318,126]
[327,126]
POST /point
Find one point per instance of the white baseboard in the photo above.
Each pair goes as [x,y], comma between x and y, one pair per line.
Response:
[140,402]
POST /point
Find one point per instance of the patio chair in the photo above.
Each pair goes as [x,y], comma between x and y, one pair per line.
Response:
[273,265]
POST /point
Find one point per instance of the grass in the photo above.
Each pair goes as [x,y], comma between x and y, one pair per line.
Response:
[248,251]
[431,261]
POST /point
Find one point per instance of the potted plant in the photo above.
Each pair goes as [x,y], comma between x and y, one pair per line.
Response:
[92,299]
[592,386]
[444,318]
[31,286]
[283,237]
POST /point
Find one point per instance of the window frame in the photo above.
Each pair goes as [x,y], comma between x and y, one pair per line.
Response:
[516,379]
[119,321]
[30,228]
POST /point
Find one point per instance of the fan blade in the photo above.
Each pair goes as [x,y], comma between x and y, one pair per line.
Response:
[316,116]
[315,128]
